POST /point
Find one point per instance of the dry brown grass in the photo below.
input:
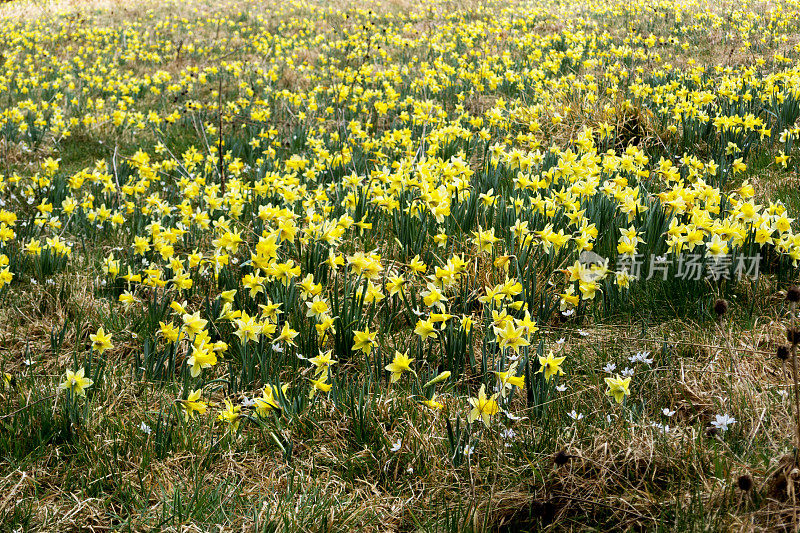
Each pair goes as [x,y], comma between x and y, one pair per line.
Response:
[631,473]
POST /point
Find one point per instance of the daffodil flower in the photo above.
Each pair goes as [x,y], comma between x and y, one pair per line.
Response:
[231,414]
[193,404]
[76,382]
[551,366]
[401,363]
[483,407]
[618,387]
[101,341]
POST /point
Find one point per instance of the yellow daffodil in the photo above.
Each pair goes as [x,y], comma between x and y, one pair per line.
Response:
[551,366]
[618,387]
[193,404]
[76,382]
[401,363]
[101,341]
[483,407]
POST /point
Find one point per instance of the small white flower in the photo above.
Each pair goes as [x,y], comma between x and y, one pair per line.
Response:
[568,312]
[722,422]
[583,333]
[628,372]
[396,446]
[28,362]
[667,412]
[661,427]
[575,415]
[561,388]
[512,417]
[609,368]
[277,348]
[508,433]
[248,402]
[468,450]
[561,340]
[641,357]
[144,428]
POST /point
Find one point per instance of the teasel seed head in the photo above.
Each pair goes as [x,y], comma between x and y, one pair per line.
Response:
[720,307]
[793,294]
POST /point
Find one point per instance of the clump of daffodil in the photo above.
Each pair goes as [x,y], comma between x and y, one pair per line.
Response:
[255,219]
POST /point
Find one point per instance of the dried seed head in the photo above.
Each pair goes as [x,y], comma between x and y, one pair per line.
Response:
[783,352]
[793,335]
[745,482]
[720,307]
[561,458]
[793,294]
[543,510]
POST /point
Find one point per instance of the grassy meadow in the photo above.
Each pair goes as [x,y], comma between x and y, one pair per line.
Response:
[393,266]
